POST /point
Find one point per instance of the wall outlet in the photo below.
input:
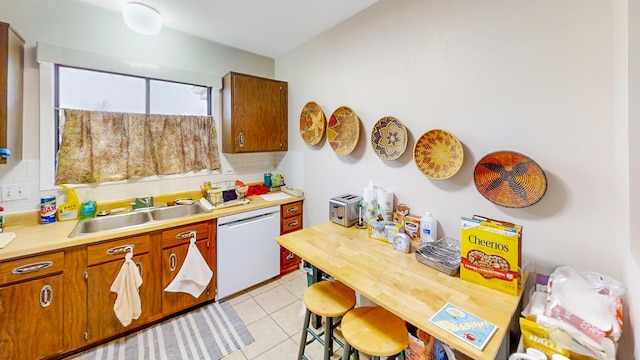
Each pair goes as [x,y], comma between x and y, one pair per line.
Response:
[14,192]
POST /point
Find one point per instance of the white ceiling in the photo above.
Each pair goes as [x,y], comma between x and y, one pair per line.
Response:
[266,27]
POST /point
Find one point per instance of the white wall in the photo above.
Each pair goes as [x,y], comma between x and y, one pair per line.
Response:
[537,77]
[76,25]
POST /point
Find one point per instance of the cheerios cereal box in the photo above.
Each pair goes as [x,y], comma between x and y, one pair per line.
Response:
[490,253]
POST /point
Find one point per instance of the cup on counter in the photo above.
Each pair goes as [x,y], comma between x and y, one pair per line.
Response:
[267,179]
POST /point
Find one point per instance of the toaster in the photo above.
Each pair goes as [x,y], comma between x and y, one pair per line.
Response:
[343,209]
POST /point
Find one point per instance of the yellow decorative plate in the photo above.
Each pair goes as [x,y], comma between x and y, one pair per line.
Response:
[343,130]
[312,123]
[438,154]
[389,138]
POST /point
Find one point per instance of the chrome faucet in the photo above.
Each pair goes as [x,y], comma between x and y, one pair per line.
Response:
[139,203]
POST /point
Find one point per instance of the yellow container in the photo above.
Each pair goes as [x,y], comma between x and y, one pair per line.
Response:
[69,209]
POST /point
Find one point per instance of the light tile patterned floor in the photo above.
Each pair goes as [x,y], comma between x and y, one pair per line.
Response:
[274,312]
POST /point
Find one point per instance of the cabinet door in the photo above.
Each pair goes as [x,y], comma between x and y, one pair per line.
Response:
[172,260]
[254,114]
[11,86]
[102,320]
[41,301]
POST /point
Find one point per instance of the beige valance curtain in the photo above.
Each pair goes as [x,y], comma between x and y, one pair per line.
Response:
[100,146]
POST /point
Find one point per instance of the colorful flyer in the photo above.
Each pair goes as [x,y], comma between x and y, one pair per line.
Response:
[464,325]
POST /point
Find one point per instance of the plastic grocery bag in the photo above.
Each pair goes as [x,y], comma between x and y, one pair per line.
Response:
[588,306]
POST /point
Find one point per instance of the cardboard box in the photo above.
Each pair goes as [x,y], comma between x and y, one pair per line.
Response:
[412,227]
[491,253]
[378,229]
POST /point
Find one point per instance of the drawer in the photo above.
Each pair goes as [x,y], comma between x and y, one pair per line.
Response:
[117,249]
[291,224]
[292,209]
[288,259]
[31,267]
[180,235]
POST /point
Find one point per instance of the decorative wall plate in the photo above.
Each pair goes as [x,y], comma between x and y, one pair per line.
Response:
[389,138]
[343,130]
[312,123]
[510,179]
[438,154]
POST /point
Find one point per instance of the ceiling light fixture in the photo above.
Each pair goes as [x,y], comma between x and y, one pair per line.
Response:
[141,18]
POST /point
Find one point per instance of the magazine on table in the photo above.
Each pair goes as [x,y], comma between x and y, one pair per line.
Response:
[464,325]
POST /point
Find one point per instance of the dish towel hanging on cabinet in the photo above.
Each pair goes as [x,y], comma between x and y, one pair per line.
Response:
[194,274]
[127,306]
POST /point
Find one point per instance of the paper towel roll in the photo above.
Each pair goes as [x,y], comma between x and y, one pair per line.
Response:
[369,205]
[385,203]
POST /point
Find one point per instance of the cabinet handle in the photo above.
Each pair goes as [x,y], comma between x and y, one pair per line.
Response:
[291,256]
[185,235]
[29,268]
[46,296]
[292,209]
[173,262]
[120,249]
[139,266]
[292,223]
[241,142]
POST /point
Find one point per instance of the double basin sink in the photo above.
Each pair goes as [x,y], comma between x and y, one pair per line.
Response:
[135,218]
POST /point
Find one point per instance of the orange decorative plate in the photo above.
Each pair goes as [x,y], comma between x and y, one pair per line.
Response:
[510,179]
[389,138]
[312,123]
[343,130]
[438,154]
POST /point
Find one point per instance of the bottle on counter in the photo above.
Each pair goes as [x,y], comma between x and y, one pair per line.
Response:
[1,219]
[428,228]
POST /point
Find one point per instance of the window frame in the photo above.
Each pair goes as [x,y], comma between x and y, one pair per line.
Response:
[47,55]
[147,97]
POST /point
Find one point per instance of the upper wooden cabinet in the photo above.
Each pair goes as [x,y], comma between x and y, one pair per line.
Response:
[254,114]
[11,85]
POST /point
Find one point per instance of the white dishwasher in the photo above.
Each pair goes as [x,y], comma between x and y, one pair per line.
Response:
[247,253]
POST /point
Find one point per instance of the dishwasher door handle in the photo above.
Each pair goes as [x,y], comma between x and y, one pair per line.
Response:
[247,220]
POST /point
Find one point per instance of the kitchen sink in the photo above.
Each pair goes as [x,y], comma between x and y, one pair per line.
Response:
[111,222]
[135,218]
[172,212]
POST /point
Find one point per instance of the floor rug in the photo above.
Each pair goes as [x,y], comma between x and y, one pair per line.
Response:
[209,332]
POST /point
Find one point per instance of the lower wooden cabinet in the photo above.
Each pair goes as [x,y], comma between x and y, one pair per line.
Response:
[104,262]
[290,221]
[31,307]
[175,243]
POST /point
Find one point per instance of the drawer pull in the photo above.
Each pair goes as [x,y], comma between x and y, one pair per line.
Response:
[139,266]
[29,268]
[292,209]
[120,249]
[173,262]
[292,223]
[186,235]
[291,256]
[46,296]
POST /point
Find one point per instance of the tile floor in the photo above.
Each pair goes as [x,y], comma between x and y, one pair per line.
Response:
[274,312]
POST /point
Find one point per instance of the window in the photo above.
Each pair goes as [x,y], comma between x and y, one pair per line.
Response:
[112,103]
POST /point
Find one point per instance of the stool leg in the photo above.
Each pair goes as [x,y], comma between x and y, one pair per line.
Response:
[328,338]
[346,351]
[303,340]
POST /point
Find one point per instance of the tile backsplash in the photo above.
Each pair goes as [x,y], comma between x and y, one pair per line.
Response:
[244,167]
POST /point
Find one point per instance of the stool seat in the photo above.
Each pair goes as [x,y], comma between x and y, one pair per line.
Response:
[375,331]
[329,298]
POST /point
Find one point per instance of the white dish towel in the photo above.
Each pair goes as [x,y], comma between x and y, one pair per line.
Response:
[194,274]
[127,306]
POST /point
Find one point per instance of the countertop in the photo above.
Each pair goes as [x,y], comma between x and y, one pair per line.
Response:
[35,238]
[401,284]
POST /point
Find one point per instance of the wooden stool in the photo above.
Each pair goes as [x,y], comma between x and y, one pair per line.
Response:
[374,331]
[330,299]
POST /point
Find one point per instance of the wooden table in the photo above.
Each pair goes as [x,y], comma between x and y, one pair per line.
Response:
[401,284]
